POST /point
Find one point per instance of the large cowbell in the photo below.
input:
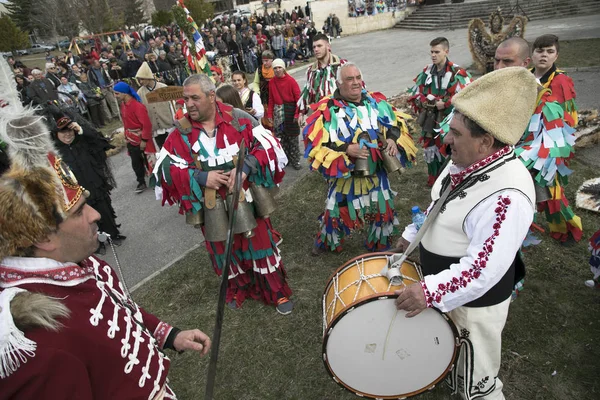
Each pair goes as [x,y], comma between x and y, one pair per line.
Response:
[244,217]
[194,219]
[215,217]
[263,200]
[361,165]
[390,163]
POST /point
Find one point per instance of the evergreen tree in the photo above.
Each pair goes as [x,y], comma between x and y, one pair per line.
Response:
[11,37]
[200,10]
[161,18]
[20,11]
[134,13]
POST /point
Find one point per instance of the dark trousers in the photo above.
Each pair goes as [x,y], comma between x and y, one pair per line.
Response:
[137,162]
[96,115]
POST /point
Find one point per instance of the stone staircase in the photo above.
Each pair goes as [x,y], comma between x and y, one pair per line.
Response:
[454,16]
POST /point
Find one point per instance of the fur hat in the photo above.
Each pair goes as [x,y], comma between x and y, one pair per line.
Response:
[501,102]
[39,189]
[278,62]
[144,72]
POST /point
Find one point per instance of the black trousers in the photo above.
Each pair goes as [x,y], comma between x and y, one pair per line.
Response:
[137,162]
[96,115]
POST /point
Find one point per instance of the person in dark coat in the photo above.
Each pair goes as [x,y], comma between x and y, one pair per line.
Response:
[83,149]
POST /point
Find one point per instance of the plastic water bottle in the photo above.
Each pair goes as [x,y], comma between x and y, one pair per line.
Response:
[418,218]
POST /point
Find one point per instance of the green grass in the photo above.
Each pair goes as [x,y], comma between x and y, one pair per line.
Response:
[579,53]
[554,324]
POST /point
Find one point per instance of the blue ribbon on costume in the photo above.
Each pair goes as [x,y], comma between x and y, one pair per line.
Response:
[363,142]
[122,87]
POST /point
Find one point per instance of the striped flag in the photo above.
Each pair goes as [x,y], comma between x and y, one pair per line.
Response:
[186,51]
[199,52]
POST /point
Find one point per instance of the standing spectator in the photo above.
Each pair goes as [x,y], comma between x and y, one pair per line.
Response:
[100,77]
[84,150]
[263,75]
[93,96]
[163,63]
[115,71]
[284,94]
[132,65]
[307,10]
[138,131]
[161,114]
[250,99]
[336,28]
[277,43]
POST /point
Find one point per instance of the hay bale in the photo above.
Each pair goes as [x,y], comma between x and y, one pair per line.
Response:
[588,131]
[117,139]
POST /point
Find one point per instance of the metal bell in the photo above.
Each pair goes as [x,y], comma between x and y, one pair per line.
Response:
[542,193]
[361,165]
[244,218]
[263,200]
[391,163]
[194,219]
[216,221]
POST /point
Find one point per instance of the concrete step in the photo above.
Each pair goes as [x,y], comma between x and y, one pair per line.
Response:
[453,16]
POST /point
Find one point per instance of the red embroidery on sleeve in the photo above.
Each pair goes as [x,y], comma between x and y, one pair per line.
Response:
[479,264]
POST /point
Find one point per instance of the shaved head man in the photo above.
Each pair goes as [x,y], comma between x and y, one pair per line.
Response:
[513,52]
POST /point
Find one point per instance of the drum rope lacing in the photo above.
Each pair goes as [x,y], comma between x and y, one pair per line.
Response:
[362,278]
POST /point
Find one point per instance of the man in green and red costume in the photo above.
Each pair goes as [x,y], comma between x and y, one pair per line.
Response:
[196,164]
[431,99]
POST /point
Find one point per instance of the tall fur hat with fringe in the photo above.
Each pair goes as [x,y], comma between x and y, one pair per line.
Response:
[501,102]
[144,72]
[38,190]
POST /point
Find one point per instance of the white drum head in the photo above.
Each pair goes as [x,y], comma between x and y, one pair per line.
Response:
[375,351]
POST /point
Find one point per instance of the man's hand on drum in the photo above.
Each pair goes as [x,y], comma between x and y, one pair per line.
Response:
[401,245]
[411,299]
[193,339]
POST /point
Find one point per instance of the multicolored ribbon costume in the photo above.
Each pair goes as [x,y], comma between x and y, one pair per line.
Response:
[354,200]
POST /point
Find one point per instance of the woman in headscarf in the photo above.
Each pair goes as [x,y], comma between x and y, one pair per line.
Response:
[284,94]
[84,151]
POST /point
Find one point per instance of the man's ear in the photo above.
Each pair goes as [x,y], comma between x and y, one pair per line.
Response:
[47,245]
[487,141]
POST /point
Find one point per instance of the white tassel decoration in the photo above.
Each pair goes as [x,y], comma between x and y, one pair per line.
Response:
[15,348]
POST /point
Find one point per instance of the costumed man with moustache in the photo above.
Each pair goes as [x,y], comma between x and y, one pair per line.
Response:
[321,75]
[431,99]
[68,328]
[349,128]
[545,148]
[138,131]
[161,113]
[470,253]
[196,170]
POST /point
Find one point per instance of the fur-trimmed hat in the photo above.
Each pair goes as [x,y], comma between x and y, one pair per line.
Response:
[39,189]
[144,72]
[501,102]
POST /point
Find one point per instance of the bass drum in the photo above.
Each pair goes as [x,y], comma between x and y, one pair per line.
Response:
[370,347]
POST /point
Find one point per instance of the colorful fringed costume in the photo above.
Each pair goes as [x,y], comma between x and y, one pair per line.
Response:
[353,200]
[594,247]
[545,149]
[563,90]
[431,86]
[257,269]
[320,82]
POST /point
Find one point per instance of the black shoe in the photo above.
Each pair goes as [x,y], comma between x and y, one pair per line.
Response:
[118,240]
[297,166]
[140,188]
